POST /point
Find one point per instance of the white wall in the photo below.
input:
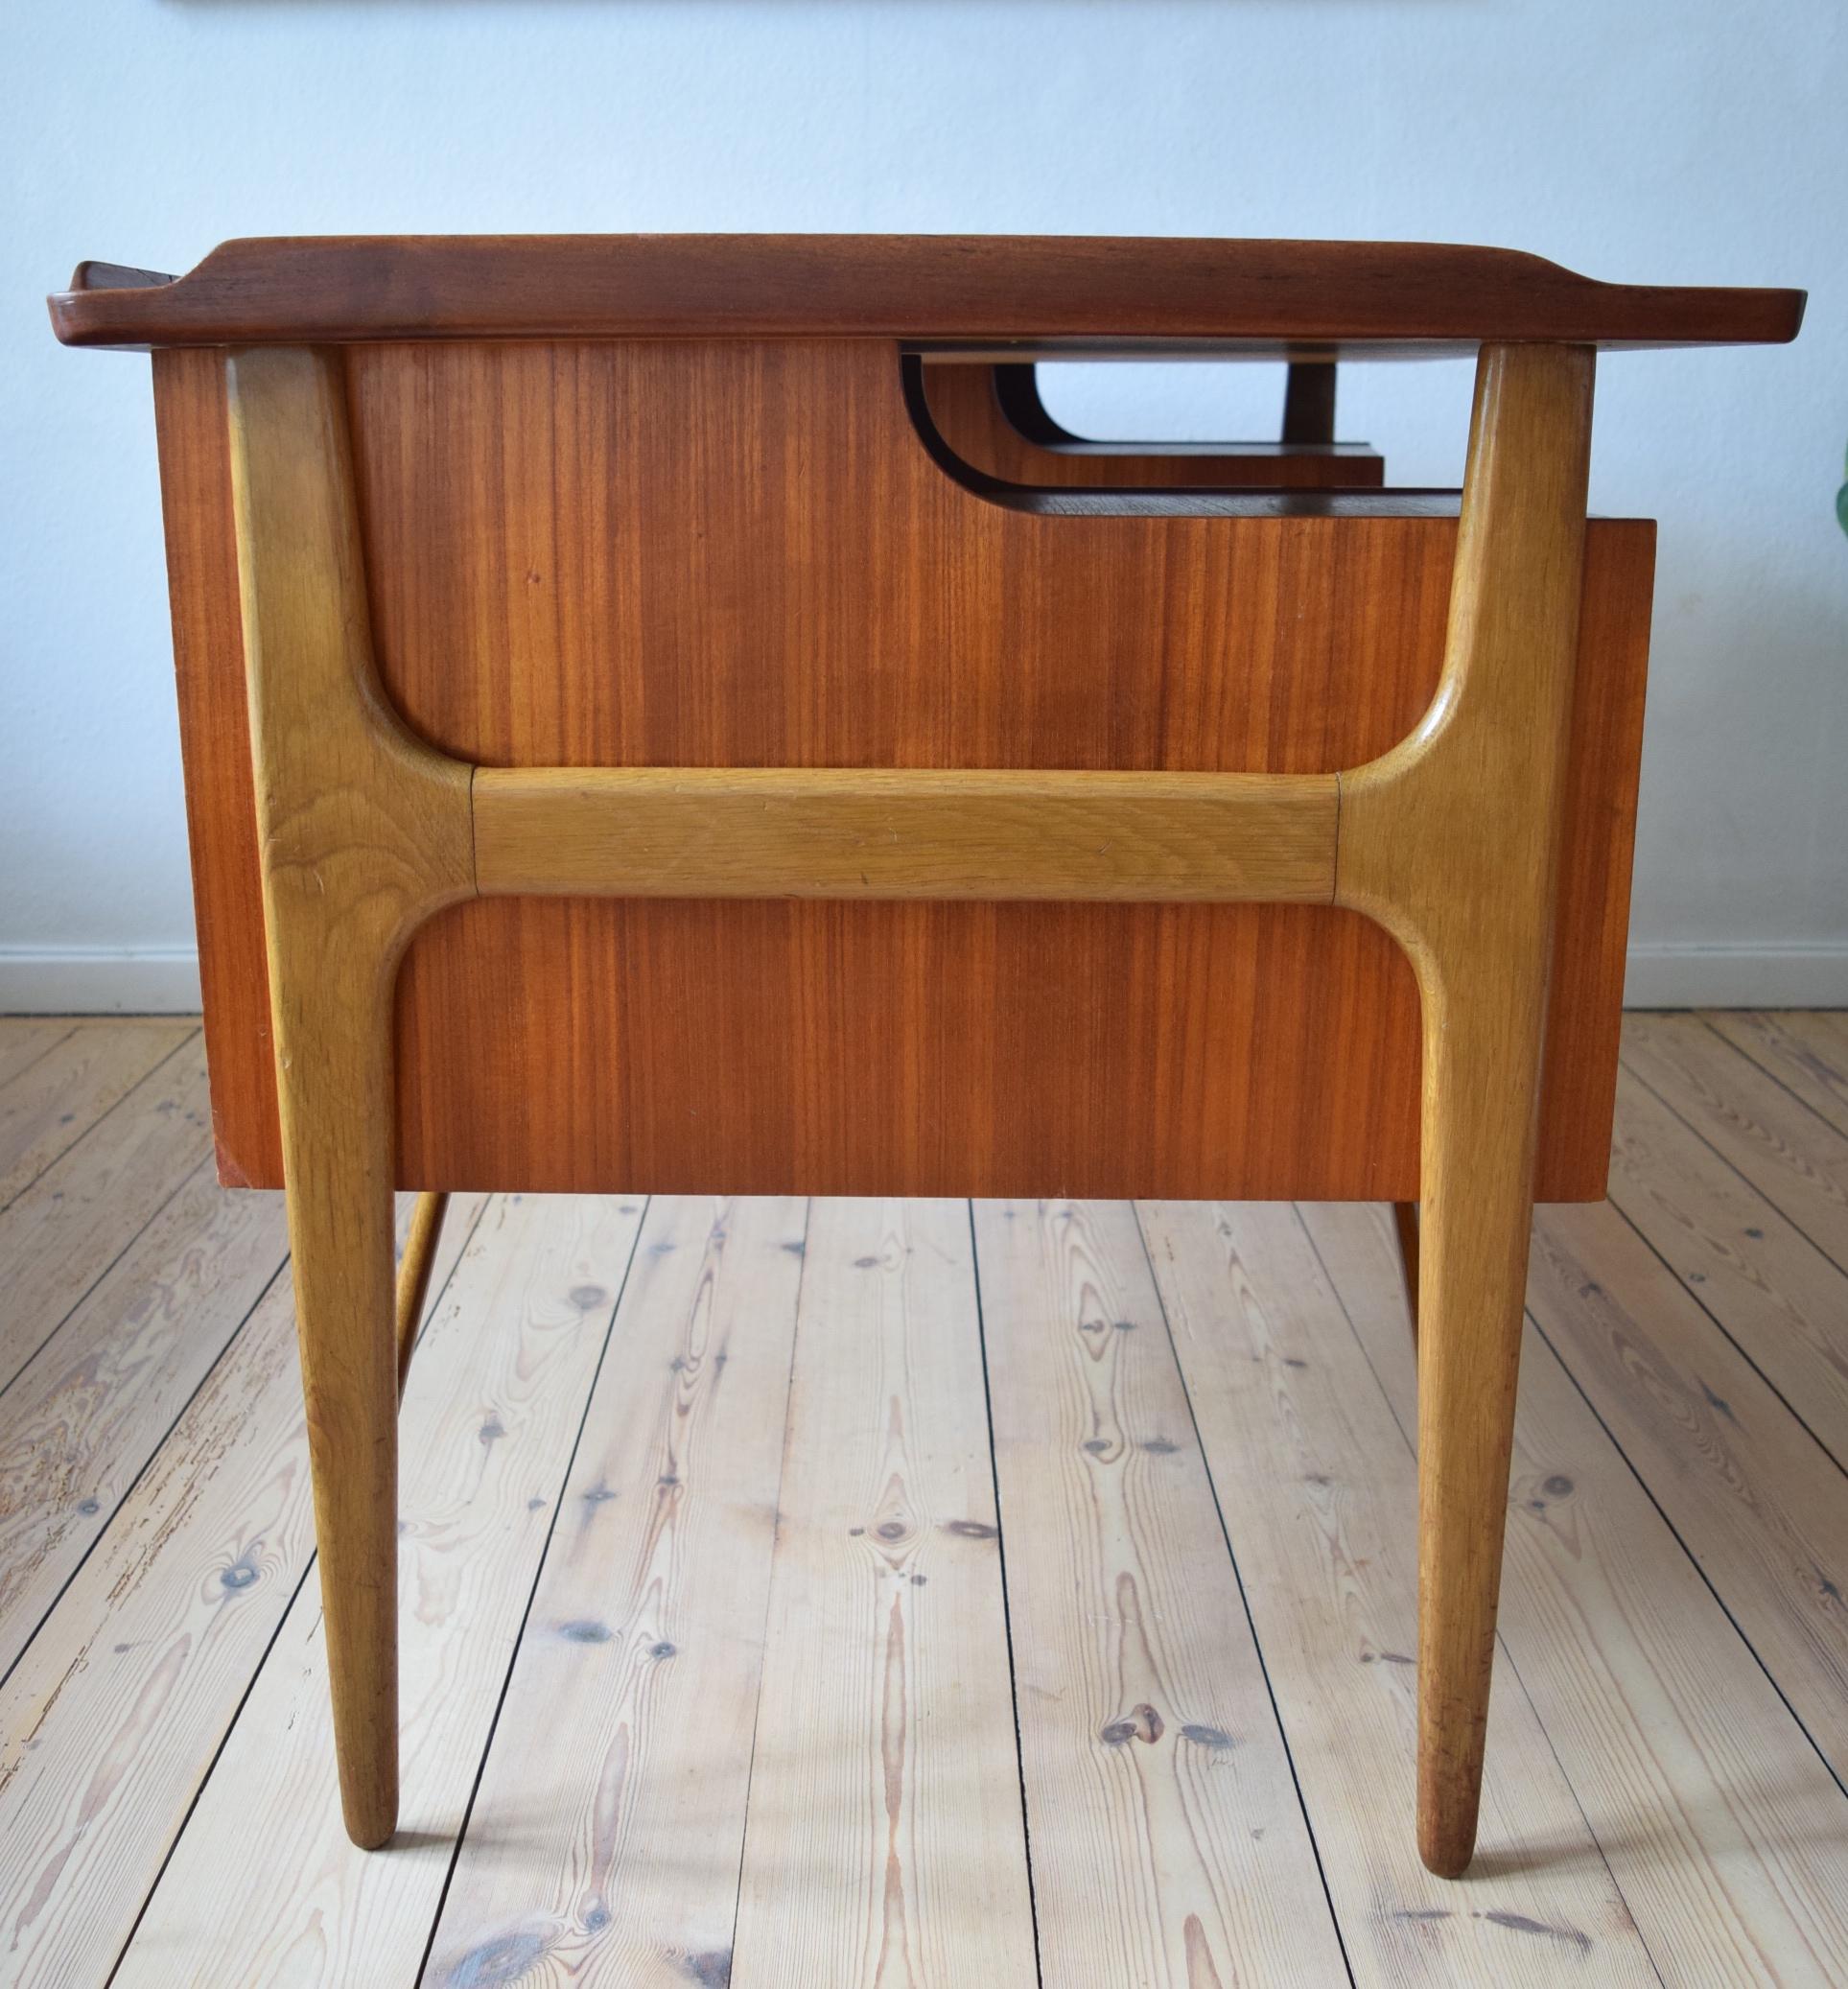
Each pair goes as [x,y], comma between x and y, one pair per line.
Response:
[1653,140]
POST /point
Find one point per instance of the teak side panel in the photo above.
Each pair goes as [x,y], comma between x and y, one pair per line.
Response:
[668,553]
[193,426]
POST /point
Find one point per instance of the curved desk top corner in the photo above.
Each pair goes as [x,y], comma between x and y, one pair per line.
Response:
[1001,295]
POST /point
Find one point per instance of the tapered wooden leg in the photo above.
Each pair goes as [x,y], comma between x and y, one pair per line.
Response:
[365,832]
[414,1275]
[1405,1227]
[336,1158]
[1451,841]
[1476,1216]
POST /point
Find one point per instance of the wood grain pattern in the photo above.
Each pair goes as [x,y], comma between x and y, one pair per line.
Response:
[894,834]
[489,1415]
[85,1416]
[1767,1287]
[604,1839]
[1717,1819]
[1032,292]
[1317,1487]
[23,1042]
[1806,1049]
[970,416]
[191,418]
[57,1237]
[167,1622]
[871,1854]
[1168,1843]
[1764,1511]
[678,557]
[63,1093]
[1787,1150]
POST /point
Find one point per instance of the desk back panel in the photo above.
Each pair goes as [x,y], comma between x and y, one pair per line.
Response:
[670,552]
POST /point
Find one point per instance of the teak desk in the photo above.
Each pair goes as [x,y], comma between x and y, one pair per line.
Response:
[675,712]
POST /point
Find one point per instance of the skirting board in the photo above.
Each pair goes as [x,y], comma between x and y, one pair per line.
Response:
[99,981]
[1666,975]
[164,980]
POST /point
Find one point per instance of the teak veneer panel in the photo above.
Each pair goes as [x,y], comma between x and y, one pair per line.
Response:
[1023,292]
[657,553]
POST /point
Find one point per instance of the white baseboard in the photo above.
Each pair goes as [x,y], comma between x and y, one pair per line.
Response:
[164,980]
[1694,976]
[99,981]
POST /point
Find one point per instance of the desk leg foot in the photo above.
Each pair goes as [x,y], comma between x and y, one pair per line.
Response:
[1475,1224]
[338,1165]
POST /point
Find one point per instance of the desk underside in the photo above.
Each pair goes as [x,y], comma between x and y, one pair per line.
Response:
[676,554]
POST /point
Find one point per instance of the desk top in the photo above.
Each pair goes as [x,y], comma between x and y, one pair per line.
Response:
[999,295]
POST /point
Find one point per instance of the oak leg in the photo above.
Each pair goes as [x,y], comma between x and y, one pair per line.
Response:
[336,1156]
[414,1275]
[1474,1225]
[365,832]
[1405,1226]
[1451,841]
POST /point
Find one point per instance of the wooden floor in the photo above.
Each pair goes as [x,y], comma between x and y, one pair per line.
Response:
[831,1593]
